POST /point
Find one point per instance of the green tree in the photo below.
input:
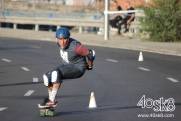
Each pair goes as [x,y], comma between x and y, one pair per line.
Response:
[162,20]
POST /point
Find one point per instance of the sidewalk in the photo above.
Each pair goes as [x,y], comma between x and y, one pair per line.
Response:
[98,40]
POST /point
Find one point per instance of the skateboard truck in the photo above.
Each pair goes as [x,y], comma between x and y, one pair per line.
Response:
[46,112]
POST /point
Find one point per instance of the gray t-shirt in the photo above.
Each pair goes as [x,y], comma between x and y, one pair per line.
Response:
[69,56]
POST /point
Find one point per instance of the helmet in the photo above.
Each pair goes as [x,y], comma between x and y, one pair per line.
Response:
[62,32]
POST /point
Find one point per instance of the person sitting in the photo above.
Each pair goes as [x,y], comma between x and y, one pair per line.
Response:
[116,17]
[129,18]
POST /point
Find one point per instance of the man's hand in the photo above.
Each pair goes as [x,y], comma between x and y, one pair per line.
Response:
[90,65]
[128,21]
[89,68]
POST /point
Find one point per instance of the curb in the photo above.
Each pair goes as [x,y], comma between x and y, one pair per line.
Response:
[32,35]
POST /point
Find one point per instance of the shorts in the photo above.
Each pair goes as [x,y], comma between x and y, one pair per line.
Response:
[68,71]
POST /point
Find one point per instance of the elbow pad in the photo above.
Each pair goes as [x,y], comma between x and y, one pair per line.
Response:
[91,55]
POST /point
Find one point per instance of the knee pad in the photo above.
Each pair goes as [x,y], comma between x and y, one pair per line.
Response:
[47,79]
[56,77]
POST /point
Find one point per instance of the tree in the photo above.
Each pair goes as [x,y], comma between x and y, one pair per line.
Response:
[162,20]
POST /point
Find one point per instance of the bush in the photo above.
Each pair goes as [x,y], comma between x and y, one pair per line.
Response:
[163,20]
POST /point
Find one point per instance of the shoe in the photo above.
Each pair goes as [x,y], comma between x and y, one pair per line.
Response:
[51,104]
[126,30]
[119,33]
[48,103]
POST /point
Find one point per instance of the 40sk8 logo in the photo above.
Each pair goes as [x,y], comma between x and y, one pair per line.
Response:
[157,105]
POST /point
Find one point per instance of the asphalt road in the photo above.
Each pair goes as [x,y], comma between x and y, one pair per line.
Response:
[118,81]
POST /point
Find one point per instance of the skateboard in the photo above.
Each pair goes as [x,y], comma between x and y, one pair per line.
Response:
[48,111]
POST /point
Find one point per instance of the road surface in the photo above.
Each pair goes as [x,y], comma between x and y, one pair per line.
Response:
[118,80]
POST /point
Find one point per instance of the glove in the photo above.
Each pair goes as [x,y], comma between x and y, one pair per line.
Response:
[89,68]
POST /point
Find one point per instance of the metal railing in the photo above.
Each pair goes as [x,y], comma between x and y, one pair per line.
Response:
[56,15]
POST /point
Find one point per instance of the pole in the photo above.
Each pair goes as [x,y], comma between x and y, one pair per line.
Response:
[106,20]
[33,8]
[97,6]
[2,5]
[33,5]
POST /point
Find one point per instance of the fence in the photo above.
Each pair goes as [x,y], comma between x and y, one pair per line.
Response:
[51,19]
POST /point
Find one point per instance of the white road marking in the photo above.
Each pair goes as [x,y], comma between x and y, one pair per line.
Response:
[6,60]
[144,69]
[35,79]
[29,93]
[111,60]
[171,79]
[2,108]
[24,68]
[36,47]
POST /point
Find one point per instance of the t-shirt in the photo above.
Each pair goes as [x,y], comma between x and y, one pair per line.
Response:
[128,16]
[74,53]
[119,8]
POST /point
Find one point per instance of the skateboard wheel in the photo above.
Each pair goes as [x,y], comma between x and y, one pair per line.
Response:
[46,112]
[42,113]
[51,113]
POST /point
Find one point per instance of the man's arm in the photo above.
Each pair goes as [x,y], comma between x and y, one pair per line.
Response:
[90,54]
[132,17]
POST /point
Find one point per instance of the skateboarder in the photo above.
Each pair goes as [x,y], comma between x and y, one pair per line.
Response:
[74,65]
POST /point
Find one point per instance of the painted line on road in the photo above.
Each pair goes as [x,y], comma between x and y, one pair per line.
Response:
[29,93]
[111,60]
[4,59]
[24,68]
[35,79]
[144,69]
[3,108]
[36,47]
[172,79]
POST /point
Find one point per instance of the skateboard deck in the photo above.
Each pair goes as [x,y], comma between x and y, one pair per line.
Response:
[47,111]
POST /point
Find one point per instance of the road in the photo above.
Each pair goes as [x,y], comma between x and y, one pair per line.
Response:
[118,81]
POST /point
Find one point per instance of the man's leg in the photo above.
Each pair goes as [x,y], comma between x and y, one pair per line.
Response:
[62,72]
[119,25]
[52,81]
[54,91]
[56,81]
[126,29]
[47,83]
[50,91]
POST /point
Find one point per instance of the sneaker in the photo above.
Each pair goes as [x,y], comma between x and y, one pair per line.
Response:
[119,33]
[51,104]
[48,103]
[126,30]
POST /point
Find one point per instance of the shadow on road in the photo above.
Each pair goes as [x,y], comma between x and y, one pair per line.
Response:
[96,110]
[18,84]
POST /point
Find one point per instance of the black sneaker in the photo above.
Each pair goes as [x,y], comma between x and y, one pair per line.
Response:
[119,33]
[48,103]
[126,30]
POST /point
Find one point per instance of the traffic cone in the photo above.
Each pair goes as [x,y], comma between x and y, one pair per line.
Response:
[92,103]
[140,57]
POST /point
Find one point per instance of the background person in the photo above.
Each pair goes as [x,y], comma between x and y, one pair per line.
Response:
[129,17]
[116,17]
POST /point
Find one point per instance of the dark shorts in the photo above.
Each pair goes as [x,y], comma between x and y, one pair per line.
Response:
[68,71]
